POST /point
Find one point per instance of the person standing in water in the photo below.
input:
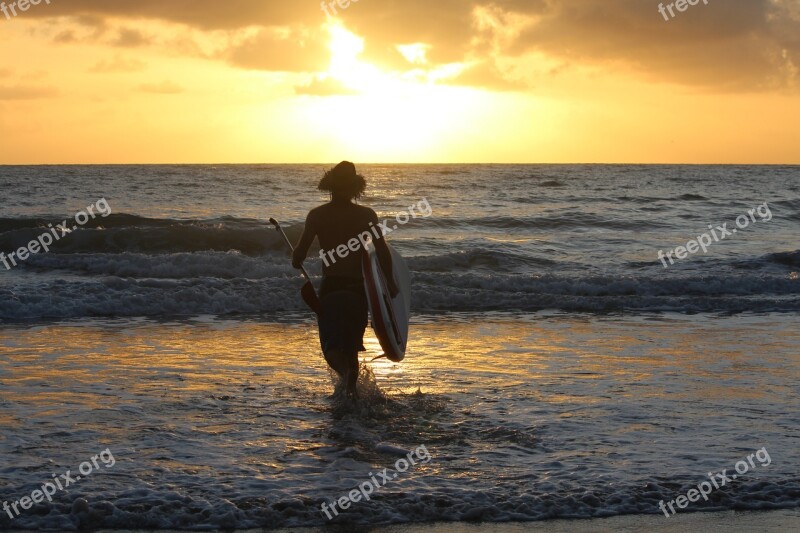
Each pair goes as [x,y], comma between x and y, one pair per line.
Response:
[343,318]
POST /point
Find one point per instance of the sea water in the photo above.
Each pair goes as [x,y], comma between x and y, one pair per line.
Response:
[556,367]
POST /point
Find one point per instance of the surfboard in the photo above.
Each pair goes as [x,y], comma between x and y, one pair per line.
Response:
[389,315]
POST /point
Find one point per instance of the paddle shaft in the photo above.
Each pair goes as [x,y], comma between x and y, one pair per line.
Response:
[289,244]
[307,291]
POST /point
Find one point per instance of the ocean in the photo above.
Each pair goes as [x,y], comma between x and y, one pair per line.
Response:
[586,341]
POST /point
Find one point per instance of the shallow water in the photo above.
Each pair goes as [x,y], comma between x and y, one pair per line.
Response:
[233,423]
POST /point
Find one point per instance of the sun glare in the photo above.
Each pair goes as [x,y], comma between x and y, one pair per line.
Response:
[414,53]
[345,66]
[345,47]
[391,112]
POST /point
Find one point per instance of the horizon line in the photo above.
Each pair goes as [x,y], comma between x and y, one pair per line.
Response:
[394,164]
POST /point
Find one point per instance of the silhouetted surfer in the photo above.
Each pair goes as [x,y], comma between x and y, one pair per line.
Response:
[344,304]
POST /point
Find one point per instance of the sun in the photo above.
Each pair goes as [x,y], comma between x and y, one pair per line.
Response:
[345,65]
[389,114]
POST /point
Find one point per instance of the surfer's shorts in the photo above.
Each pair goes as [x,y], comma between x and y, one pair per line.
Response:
[343,319]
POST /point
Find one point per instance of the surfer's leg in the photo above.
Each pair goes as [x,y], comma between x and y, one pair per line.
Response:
[330,330]
[352,375]
[337,360]
[341,330]
[359,323]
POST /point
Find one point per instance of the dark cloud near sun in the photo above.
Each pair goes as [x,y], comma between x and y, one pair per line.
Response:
[447,25]
[725,45]
[290,50]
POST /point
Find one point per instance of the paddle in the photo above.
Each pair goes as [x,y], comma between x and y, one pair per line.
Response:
[307,291]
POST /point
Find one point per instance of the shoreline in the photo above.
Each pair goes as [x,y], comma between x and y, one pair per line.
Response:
[730,521]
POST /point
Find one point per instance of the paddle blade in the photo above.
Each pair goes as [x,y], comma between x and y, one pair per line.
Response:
[310,297]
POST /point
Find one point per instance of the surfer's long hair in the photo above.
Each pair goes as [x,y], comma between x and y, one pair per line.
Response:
[343,180]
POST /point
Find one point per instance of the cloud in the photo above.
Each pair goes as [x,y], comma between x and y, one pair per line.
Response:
[728,46]
[84,28]
[487,75]
[722,45]
[202,14]
[444,26]
[65,37]
[118,64]
[277,49]
[165,87]
[130,38]
[26,92]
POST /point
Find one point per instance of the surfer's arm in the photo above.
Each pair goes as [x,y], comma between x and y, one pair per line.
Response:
[301,250]
[384,258]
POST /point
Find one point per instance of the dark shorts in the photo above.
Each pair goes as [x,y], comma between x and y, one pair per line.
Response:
[344,314]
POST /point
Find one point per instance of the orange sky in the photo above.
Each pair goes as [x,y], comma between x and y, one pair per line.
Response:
[252,81]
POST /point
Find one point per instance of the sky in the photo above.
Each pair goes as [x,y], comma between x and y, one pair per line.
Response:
[400,81]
